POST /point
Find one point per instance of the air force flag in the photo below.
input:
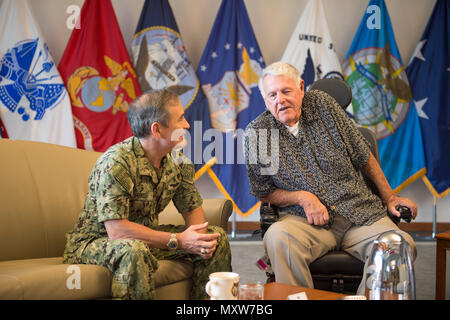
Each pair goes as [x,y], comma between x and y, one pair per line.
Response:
[34,104]
[429,75]
[229,72]
[310,48]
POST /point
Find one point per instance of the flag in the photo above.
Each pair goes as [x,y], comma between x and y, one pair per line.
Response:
[429,75]
[161,62]
[98,74]
[310,48]
[34,104]
[229,72]
[3,133]
[382,100]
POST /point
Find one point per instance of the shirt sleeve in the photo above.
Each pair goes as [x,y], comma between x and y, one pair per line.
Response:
[113,188]
[187,197]
[261,183]
[357,146]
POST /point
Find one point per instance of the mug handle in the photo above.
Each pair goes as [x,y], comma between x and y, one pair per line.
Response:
[208,287]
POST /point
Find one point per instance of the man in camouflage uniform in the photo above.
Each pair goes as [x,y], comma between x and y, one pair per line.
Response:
[131,183]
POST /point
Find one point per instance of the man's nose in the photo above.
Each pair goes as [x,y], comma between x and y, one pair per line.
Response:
[280,97]
[186,125]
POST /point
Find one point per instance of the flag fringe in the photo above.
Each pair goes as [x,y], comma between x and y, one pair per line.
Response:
[433,190]
[219,185]
[419,174]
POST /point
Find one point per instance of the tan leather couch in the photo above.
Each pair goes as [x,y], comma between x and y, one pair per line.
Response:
[42,189]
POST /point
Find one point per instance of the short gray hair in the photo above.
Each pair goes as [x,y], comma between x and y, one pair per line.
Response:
[150,107]
[279,69]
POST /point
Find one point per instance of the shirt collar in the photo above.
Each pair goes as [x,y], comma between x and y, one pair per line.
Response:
[145,167]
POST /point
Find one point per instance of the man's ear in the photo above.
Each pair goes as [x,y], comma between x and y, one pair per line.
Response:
[302,85]
[155,129]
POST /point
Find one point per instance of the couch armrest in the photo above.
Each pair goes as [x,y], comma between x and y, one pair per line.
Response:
[217,212]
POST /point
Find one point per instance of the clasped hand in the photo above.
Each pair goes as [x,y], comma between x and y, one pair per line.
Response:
[203,244]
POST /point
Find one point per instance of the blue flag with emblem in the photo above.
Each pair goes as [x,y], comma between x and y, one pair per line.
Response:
[161,62]
[429,75]
[34,103]
[229,72]
[382,98]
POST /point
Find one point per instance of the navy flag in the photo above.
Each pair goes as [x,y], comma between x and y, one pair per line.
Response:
[382,100]
[161,62]
[429,75]
[229,72]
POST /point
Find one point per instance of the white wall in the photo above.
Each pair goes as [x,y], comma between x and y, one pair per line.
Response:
[273,22]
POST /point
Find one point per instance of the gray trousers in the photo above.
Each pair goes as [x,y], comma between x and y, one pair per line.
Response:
[292,244]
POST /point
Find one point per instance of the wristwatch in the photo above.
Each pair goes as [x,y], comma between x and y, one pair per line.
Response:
[173,242]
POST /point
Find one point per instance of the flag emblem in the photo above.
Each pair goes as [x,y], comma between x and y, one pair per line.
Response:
[26,80]
[87,88]
[231,95]
[375,76]
[161,62]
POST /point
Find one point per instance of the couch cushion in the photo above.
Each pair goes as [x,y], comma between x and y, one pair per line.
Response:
[43,190]
[170,271]
[48,278]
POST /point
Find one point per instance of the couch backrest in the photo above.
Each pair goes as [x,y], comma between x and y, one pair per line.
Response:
[42,190]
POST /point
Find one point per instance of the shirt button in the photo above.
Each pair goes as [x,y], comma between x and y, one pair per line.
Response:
[314,174]
[323,191]
[333,208]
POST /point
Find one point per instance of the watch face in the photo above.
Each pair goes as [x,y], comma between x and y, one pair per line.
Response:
[172,244]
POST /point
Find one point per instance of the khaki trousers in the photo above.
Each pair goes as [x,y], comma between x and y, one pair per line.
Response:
[292,244]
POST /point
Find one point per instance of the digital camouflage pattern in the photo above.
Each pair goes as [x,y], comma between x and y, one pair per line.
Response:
[124,185]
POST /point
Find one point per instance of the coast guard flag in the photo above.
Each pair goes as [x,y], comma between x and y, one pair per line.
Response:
[99,76]
[229,72]
[161,62]
[310,48]
[34,104]
[382,97]
[429,74]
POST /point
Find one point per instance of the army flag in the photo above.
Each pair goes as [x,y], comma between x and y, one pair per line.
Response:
[382,98]
[34,104]
[429,75]
[229,72]
[99,77]
[161,62]
[310,48]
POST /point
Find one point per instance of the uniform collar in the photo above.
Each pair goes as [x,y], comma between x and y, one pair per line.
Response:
[145,167]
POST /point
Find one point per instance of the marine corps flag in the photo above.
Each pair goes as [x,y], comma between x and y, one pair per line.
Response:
[429,74]
[161,62]
[99,76]
[34,104]
[382,99]
[310,48]
[229,72]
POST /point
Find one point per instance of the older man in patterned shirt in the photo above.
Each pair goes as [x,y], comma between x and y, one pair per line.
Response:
[131,183]
[313,171]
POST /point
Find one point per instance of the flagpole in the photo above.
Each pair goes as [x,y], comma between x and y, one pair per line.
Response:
[233,226]
[433,235]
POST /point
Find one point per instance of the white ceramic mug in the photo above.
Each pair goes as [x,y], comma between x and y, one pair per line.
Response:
[223,286]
